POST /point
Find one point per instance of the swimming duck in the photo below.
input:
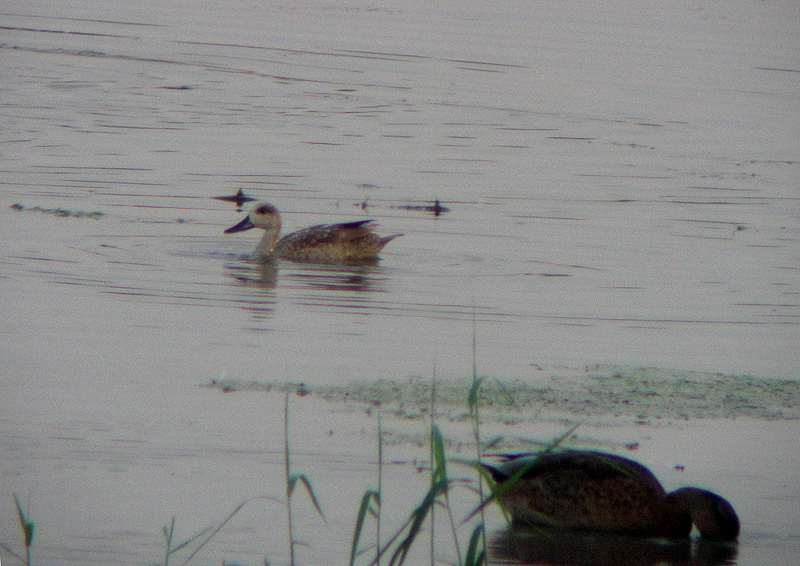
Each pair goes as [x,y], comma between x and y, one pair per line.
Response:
[324,243]
[576,489]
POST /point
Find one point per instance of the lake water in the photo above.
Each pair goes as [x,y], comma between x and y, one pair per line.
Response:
[622,188]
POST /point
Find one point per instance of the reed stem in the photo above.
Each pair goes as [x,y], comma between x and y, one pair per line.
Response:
[287,469]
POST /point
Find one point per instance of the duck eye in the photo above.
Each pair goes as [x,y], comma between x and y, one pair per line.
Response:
[263,209]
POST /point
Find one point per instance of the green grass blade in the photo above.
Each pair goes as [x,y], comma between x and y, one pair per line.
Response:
[192,539]
[210,532]
[27,526]
[380,490]
[303,479]
[558,440]
[474,395]
[492,443]
[385,549]
[290,485]
[168,532]
[439,458]
[27,535]
[476,554]
[369,497]
[416,520]
[479,535]
[499,489]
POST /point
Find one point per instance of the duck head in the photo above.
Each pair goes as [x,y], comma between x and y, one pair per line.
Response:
[265,216]
[713,516]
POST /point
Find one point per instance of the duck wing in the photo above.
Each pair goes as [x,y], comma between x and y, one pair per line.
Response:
[593,466]
[333,243]
[589,490]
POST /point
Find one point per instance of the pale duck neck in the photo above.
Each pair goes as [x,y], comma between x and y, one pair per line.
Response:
[266,247]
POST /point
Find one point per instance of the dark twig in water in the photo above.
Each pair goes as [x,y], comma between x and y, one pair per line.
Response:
[436,208]
[239,198]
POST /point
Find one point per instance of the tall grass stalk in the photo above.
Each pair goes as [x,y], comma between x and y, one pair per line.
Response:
[476,551]
[400,544]
[439,465]
[287,470]
[371,505]
[203,537]
[412,526]
[168,532]
[292,480]
[169,535]
[366,508]
[473,402]
[432,457]
[380,489]
[438,460]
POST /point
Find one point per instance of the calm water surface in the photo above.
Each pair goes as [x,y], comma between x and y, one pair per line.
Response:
[621,184]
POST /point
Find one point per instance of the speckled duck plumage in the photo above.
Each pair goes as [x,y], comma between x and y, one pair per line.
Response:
[577,489]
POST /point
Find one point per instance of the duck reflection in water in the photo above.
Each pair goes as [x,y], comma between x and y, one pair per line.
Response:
[565,547]
[346,243]
[600,504]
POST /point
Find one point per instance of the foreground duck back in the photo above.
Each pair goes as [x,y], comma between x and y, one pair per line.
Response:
[586,490]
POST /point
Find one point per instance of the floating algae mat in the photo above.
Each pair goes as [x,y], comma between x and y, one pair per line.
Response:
[60,212]
[641,393]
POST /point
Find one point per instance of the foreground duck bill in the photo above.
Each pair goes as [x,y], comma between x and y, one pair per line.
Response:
[245,224]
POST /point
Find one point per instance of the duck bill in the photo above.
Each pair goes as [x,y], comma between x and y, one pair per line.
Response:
[245,224]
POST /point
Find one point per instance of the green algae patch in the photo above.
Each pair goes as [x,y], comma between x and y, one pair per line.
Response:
[60,212]
[619,391]
[655,392]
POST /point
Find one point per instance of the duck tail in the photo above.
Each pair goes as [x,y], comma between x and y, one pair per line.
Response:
[496,474]
[386,239]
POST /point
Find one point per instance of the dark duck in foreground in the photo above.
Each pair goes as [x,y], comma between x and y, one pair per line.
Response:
[324,243]
[576,489]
